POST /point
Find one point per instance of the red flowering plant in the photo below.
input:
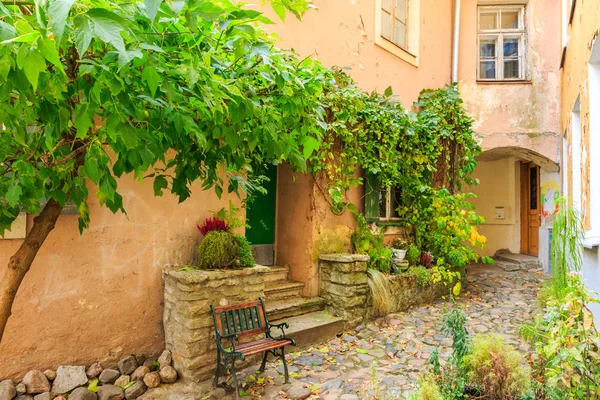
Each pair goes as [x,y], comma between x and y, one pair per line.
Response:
[213,224]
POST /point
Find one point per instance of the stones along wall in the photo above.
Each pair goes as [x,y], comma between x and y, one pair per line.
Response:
[188,324]
[344,285]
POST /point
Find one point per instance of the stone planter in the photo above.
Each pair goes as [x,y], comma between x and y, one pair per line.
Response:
[188,324]
[398,255]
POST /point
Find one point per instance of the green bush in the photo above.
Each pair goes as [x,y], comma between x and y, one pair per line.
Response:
[218,249]
[497,368]
[422,276]
[413,255]
[245,257]
[428,389]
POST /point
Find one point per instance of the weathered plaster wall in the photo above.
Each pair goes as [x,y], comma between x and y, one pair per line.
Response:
[342,33]
[498,188]
[97,296]
[583,34]
[516,114]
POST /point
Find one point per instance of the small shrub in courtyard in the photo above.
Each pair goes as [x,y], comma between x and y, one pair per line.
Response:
[497,368]
[245,256]
[422,276]
[426,259]
[428,389]
[213,224]
[218,249]
[413,254]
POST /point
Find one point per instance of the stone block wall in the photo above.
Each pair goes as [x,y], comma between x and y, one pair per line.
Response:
[344,286]
[188,324]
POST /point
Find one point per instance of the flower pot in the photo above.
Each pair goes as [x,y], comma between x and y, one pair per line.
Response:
[399,254]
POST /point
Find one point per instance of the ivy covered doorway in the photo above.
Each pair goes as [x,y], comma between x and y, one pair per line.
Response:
[260,217]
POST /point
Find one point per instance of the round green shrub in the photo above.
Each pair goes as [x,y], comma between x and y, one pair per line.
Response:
[219,249]
[422,275]
[413,254]
[497,368]
[245,257]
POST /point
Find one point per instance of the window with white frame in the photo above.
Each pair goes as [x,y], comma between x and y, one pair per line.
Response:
[501,43]
[394,21]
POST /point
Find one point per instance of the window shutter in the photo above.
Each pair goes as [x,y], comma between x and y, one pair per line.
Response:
[371,197]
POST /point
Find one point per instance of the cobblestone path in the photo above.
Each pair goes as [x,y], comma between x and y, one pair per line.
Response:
[384,358]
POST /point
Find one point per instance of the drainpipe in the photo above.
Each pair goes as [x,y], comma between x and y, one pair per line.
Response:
[455,41]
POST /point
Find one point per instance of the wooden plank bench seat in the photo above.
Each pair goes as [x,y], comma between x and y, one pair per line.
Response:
[243,320]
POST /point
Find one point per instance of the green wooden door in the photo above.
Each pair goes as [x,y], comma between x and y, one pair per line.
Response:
[260,214]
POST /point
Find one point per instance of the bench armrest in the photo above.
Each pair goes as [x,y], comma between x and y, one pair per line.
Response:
[232,339]
[281,327]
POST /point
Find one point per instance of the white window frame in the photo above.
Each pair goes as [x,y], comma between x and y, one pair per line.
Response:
[499,34]
[410,53]
[393,13]
[388,206]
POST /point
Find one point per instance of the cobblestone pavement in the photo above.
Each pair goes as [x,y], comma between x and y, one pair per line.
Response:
[384,358]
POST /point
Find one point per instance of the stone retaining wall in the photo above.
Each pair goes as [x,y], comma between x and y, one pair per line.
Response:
[344,285]
[188,324]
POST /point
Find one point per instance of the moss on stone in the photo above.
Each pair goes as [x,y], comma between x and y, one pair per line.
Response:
[218,249]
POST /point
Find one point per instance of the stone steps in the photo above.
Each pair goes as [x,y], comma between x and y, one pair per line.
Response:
[277,274]
[278,309]
[312,328]
[515,262]
[280,290]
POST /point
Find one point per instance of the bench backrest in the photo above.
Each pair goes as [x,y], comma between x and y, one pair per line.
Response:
[245,319]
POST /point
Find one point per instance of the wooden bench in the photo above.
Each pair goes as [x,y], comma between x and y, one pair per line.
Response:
[243,320]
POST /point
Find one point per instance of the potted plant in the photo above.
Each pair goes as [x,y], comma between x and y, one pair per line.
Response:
[399,247]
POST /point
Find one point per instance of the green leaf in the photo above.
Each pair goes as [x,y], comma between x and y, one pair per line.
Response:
[388,91]
[27,38]
[83,34]
[160,183]
[362,351]
[83,121]
[13,194]
[152,7]
[34,64]
[279,10]
[91,168]
[48,50]
[309,146]
[93,386]
[152,78]
[57,17]
[7,31]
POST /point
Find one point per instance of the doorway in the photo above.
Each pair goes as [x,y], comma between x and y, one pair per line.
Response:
[530,208]
[260,217]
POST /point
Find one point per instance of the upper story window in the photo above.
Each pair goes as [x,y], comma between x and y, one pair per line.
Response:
[501,37]
[394,21]
[381,203]
[397,27]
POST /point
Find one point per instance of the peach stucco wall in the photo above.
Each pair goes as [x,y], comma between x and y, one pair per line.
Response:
[97,296]
[516,114]
[342,33]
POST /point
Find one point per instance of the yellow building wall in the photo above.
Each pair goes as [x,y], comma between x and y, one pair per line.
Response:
[499,183]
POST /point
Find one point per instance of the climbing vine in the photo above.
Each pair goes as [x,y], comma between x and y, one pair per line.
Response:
[428,153]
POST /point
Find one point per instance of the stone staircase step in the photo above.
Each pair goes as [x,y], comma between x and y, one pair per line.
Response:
[277,274]
[513,262]
[293,307]
[312,328]
[280,290]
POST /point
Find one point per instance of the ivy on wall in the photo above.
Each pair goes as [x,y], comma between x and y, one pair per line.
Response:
[428,154]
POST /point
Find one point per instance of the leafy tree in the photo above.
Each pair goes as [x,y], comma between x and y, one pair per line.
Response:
[175,91]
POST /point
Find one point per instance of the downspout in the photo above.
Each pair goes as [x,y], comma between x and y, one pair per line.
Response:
[455,41]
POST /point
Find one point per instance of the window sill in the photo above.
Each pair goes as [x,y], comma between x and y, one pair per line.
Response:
[397,51]
[504,82]
[385,222]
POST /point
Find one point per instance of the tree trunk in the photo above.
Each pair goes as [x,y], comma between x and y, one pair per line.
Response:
[20,263]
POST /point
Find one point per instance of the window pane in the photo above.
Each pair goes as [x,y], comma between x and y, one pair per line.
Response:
[510,20]
[396,194]
[400,37]
[401,10]
[487,47]
[487,70]
[511,47]
[386,21]
[511,69]
[487,20]
[383,203]
[386,5]
[533,188]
